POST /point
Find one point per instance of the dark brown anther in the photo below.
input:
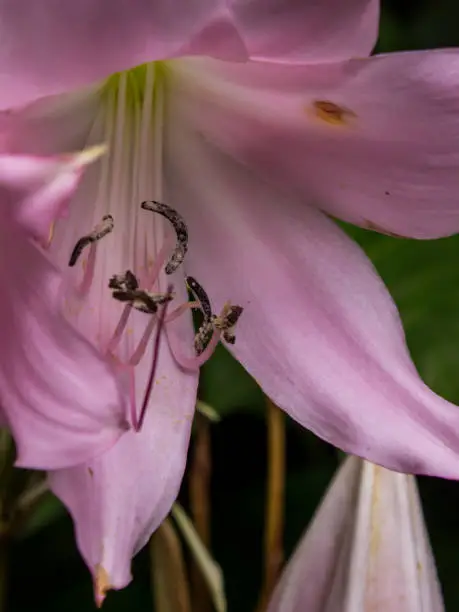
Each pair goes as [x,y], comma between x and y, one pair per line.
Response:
[227,320]
[203,335]
[180,228]
[224,322]
[206,328]
[125,288]
[124,282]
[101,230]
[200,295]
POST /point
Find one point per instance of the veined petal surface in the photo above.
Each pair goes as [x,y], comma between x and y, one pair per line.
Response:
[371,141]
[56,45]
[120,498]
[319,331]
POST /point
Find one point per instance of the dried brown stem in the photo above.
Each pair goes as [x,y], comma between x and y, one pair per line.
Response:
[274,514]
[200,505]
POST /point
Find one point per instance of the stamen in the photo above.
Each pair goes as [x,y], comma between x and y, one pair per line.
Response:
[147,302]
[205,331]
[89,267]
[201,295]
[101,230]
[125,289]
[177,221]
[212,327]
[154,365]
[124,282]
[203,336]
[139,351]
[194,363]
[227,320]
[177,312]
[118,333]
[151,276]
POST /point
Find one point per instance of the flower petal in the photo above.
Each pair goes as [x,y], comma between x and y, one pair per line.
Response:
[64,45]
[319,331]
[61,400]
[374,142]
[119,499]
[42,186]
[296,30]
[366,548]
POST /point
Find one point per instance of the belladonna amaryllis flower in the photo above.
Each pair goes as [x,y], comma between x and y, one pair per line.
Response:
[252,154]
[367,548]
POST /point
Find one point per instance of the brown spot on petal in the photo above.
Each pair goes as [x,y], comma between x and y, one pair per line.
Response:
[91,472]
[332,113]
[377,228]
[101,585]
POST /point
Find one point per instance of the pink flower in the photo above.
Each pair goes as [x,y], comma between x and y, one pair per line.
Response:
[367,548]
[59,395]
[249,154]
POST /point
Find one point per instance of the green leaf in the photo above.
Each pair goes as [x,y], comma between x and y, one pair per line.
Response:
[227,387]
[45,512]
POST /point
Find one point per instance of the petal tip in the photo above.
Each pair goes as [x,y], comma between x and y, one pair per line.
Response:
[90,154]
[101,585]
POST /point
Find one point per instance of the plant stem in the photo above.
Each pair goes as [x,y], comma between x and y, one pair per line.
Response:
[200,474]
[274,514]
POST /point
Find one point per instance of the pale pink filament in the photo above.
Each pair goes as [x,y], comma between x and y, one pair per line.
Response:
[175,314]
[194,363]
[118,333]
[139,352]
[154,365]
[149,279]
[88,274]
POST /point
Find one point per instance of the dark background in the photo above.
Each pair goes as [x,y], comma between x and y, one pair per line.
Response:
[44,568]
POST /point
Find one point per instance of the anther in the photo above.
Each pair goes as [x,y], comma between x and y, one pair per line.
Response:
[181,231]
[224,322]
[206,329]
[200,295]
[227,320]
[124,282]
[101,230]
[125,288]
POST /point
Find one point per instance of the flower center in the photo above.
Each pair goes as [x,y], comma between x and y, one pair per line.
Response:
[124,247]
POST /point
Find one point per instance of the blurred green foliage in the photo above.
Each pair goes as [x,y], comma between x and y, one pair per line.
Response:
[45,570]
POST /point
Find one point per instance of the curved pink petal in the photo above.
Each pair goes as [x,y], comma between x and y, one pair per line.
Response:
[59,45]
[374,142]
[298,30]
[119,499]
[61,400]
[38,188]
[367,548]
[319,331]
